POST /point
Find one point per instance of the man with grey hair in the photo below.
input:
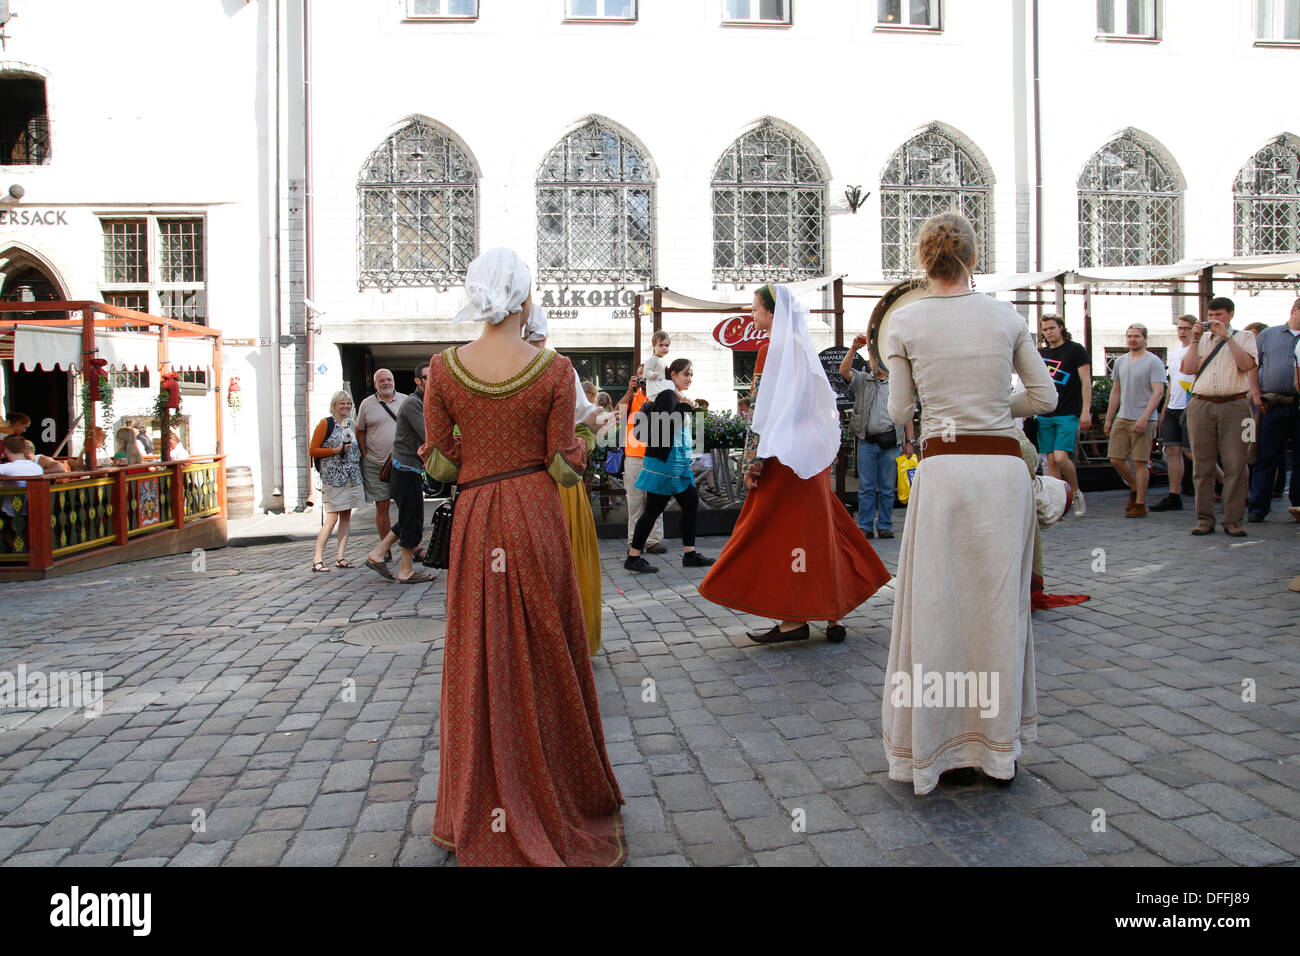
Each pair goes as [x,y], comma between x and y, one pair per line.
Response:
[1138,379]
[376,428]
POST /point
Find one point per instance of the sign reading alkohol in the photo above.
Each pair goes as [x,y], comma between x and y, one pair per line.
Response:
[565,303]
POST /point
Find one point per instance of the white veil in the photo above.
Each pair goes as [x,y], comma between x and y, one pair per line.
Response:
[795,415]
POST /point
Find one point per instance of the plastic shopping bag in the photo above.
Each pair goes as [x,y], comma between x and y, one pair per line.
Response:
[906,474]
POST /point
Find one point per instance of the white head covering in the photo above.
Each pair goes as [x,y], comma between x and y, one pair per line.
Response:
[497,283]
[581,405]
[535,329]
[795,417]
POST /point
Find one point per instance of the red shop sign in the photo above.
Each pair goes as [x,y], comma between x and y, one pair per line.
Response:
[740,334]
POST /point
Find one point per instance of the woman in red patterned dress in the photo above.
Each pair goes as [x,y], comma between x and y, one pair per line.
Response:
[795,554]
[523,778]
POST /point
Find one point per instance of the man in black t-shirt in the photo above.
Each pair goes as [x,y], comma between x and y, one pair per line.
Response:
[1058,432]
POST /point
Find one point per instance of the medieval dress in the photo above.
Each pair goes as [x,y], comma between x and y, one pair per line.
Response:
[524,778]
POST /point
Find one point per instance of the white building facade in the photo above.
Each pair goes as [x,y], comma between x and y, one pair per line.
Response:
[368,151]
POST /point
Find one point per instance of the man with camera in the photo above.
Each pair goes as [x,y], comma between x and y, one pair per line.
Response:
[878,444]
[1218,414]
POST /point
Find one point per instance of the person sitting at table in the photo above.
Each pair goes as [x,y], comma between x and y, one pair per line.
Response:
[99,442]
[127,450]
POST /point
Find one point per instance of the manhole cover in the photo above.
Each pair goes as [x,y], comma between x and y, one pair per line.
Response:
[396,631]
[200,575]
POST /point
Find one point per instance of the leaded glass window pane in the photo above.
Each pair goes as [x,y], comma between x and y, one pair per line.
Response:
[1266,201]
[758,11]
[126,250]
[769,217]
[417,211]
[189,305]
[594,209]
[929,174]
[180,250]
[1130,207]
[442,8]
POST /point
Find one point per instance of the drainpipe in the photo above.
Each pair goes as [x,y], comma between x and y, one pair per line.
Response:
[1038,157]
[275,106]
[309,279]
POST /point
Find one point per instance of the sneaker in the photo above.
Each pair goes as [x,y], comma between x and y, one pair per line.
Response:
[656,548]
[1255,517]
[1169,503]
[639,565]
[693,559]
[1080,506]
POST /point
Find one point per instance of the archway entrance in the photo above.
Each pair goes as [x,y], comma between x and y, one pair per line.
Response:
[44,395]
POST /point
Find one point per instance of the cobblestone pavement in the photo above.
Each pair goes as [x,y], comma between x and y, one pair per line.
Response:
[224,695]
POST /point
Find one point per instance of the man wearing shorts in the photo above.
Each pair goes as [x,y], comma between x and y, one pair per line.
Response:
[376,427]
[1058,432]
[1173,420]
[1139,384]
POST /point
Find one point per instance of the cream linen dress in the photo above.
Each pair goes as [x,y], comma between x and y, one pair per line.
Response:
[961,608]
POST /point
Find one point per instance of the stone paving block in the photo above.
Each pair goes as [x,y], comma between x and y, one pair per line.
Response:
[684,792]
[41,808]
[1164,839]
[202,854]
[892,830]
[347,775]
[383,817]
[160,841]
[1238,845]
[745,799]
[847,849]
[103,796]
[294,793]
[702,826]
[732,853]
[119,831]
[1092,760]
[770,833]
[801,855]
[642,814]
[373,849]
[280,818]
[1228,802]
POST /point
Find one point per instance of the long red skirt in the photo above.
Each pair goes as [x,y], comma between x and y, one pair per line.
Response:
[523,776]
[795,554]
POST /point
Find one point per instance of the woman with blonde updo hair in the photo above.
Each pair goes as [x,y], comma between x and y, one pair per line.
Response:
[962,601]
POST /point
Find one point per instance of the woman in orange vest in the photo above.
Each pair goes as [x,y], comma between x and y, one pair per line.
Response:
[633,459]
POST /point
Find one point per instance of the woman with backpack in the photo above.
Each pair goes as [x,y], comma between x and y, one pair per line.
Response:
[335,455]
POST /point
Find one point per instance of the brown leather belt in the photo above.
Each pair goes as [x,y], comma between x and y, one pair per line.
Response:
[1221,399]
[501,477]
[971,445]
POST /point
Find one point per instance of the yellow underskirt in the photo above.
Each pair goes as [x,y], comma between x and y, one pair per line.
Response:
[586,557]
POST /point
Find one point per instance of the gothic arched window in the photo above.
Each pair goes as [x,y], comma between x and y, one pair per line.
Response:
[1130,206]
[418,210]
[769,209]
[595,220]
[1266,201]
[932,173]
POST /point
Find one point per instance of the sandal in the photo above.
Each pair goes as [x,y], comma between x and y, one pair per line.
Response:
[419,577]
[380,569]
[319,566]
[344,563]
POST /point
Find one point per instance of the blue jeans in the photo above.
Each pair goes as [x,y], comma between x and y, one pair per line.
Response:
[1278,427]
[877,484]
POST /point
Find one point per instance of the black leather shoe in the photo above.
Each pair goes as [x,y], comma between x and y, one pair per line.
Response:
[693,559]
[656,548]
[1168,503]
[639,565]
[1255,517]
[869,534]
[999,782]
[776,635]
[885,534]
[960,777]
[835,633]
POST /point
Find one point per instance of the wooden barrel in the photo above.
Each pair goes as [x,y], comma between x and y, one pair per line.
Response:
[239,492]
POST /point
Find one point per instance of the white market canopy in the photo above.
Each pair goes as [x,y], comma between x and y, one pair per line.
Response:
[53,348]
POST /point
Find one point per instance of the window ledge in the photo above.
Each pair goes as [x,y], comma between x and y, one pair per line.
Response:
[617,20]
[440,19]
[900,28]
[757,23]
[1292,44]
[1119,38]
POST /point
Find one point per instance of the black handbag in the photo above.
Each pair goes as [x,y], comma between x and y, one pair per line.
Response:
[438,553]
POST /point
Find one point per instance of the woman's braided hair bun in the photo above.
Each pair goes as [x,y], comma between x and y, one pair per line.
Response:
[945,247]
